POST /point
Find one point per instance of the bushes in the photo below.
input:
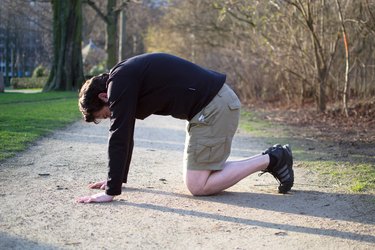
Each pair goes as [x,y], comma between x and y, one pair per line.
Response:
[28,82]
[38,80]
[97,69]
[40,71]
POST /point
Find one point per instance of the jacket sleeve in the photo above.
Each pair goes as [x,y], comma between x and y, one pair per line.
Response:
[120,143]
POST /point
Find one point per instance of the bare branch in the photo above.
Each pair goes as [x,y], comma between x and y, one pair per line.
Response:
[97,10]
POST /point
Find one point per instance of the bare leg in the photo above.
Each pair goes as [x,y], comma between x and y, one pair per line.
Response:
[207,182]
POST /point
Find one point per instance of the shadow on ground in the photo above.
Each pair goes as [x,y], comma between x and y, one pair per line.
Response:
[15,242]
[319,204]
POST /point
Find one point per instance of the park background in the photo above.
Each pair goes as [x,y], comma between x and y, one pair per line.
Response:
[306,64]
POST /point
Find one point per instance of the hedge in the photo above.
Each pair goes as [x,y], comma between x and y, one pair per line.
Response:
[28,82]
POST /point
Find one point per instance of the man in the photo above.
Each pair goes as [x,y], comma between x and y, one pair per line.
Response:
[164,84]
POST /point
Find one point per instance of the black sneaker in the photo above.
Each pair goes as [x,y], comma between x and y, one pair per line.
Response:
[283,170]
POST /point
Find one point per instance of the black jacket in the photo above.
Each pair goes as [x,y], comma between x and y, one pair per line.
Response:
[149,84]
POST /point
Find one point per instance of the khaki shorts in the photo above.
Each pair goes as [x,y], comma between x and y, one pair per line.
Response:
[210,132]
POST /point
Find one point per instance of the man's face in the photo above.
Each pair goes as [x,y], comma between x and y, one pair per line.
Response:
[104,113]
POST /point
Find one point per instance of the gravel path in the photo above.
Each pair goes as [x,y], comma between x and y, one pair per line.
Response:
[38,188]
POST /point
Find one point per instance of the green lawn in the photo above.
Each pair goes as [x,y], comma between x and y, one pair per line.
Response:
[26,117]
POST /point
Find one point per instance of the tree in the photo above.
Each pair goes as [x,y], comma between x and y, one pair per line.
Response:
[322,59]
[67,69]
[111,19]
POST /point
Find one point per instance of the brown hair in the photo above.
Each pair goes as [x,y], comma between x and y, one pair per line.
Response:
[88,101]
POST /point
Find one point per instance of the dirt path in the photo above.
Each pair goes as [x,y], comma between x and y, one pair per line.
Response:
[38,188]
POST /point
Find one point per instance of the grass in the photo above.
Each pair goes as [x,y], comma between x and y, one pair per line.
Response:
[254,125]
[354,177]
[354,174]
[26,117]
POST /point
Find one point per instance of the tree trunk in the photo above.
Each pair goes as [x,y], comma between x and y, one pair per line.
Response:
[346,84]
[122,36]
[7,55]
[322,72]
[322,102]
[111,39]
[67,68]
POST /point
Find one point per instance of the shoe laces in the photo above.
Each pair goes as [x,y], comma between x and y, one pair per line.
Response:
[268,171]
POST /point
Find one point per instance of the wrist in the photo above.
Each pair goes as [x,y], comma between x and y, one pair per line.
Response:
[111,193]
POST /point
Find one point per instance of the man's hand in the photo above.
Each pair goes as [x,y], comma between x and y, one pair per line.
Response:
[101,197]
[98,185]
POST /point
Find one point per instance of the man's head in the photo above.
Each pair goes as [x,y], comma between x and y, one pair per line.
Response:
[93,101]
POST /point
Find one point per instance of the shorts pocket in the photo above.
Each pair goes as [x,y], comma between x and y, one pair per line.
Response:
[235,104]
[210,150]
